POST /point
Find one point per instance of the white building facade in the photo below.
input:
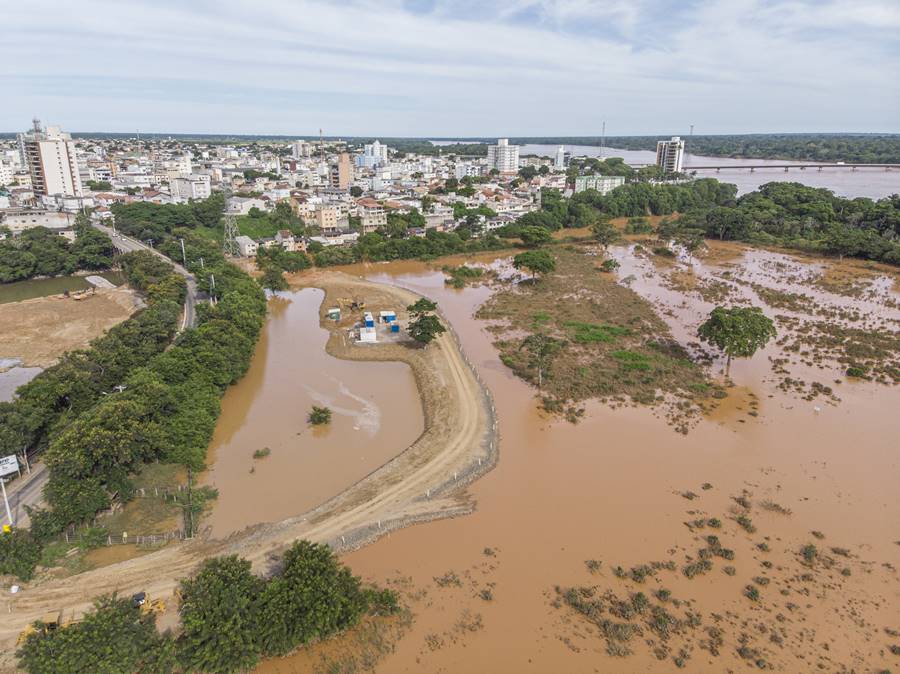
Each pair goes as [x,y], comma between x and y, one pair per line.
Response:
[670,155]
[503,156]
[603,184]
[52,161]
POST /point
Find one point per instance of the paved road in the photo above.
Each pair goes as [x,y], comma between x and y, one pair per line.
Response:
[126,244]
[27,490]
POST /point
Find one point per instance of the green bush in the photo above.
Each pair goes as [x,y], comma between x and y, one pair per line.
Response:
[19,554]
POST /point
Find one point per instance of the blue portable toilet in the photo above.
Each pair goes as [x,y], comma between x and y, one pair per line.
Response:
[395,327]
[370,321]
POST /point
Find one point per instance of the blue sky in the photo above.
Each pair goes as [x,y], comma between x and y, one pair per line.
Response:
[452,68]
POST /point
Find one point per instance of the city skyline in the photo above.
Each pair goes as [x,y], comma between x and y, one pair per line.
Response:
[435,68]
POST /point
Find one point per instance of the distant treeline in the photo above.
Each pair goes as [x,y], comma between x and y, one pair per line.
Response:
[39,251]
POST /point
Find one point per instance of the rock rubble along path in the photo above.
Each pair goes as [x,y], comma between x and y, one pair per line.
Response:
[423,482]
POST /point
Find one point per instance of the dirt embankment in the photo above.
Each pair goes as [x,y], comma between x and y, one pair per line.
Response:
[39,331]
[424,482]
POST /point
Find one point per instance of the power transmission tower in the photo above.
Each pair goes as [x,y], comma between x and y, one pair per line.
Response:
[229,244]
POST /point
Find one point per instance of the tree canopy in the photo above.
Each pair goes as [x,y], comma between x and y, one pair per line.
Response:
[535,261]
[737,331]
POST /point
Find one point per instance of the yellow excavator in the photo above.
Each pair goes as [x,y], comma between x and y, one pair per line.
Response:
[48,623]
[142,601]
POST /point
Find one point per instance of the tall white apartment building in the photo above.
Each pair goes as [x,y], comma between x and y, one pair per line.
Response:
[560,162]
[670,154]
[503,156]
[52,160]
[191,187]
[374,154]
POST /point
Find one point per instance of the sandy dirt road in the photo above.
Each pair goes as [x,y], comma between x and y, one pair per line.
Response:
[425,482]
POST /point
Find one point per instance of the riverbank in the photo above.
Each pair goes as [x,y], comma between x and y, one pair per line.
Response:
[424,482]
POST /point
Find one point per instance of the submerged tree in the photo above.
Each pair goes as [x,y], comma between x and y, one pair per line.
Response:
[319,416]
[738,331]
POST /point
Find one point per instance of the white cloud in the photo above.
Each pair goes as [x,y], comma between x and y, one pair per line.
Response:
[465,68]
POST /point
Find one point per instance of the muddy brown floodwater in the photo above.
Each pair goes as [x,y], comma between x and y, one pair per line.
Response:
[612,489]
[376,413]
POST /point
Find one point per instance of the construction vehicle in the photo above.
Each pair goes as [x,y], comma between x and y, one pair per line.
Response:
[142,601]
[48,623]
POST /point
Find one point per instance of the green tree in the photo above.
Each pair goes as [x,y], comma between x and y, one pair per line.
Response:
[605,233]
[534,236]
[541,348]
[424,326]
[313,597]
[220,617]
[273,279]
[535,261]
[737,331]
[356,191]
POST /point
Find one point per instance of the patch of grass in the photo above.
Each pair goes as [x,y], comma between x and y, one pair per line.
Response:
[629,360]
[461,275]
[262,453]
[587,333]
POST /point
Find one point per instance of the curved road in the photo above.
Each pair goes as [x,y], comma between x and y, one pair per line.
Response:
[126,244]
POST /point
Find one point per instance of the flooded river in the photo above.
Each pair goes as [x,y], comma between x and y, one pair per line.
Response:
[376,413]
[612,489]
[873,183]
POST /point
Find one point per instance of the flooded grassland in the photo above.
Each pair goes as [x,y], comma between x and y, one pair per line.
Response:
[764,537]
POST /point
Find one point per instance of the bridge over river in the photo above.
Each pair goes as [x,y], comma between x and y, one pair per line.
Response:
[787,167]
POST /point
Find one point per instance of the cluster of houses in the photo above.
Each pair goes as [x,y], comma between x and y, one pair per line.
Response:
[341,190]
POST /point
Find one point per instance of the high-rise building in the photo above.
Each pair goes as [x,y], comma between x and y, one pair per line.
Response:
[52,160]
[342,173]
[301,149]
[670,154]
[560,162]
[503,156]
[374,154]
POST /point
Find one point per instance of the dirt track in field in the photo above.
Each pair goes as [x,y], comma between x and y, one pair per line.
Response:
[425,482]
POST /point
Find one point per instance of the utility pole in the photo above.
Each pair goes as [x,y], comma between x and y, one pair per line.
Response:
[6,501]
[183,254]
